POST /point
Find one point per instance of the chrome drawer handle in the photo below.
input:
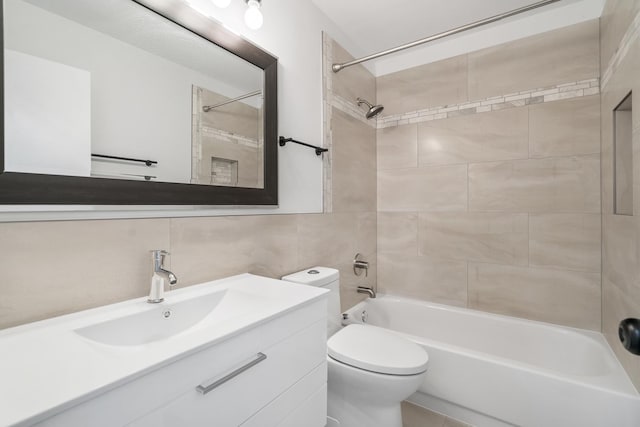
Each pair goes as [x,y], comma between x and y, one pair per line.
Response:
[206,388]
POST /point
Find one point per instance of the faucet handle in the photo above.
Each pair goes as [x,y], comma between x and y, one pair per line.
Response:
[157,256]
[359,264]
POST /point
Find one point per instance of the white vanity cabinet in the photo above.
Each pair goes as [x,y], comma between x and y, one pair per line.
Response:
[272,374]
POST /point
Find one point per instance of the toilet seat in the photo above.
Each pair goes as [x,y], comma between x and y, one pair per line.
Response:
[377,350]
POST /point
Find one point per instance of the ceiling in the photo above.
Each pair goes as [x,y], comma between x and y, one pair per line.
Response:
[376,25]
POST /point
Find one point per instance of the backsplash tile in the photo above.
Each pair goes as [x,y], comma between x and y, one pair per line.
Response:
[397,147]
[211,248]
[398,232]
[53,268]
[354,164]
[438,188]
[566,241]
[538,294]
[565,128]
[322,239]
[557,184]
[483,237]
[498,135]
[433,279]
[441,83]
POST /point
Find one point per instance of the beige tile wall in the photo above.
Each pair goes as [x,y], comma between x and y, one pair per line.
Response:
[353,185]
[444,82]
[53,268]
[354,164]
[614,22]
[620,233]
[497,211]
[564,55]
[501,135]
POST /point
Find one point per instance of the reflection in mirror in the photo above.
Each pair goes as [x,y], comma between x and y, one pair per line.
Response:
[89,79]
[227,139]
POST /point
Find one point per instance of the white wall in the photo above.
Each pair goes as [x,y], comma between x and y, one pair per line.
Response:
[292,32]
[57,98]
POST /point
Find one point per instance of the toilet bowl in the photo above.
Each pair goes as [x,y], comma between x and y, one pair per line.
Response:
[371,370]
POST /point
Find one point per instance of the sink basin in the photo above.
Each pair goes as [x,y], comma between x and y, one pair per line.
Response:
[158,322]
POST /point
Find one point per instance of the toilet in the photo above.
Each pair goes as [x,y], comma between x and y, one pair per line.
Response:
[371,370]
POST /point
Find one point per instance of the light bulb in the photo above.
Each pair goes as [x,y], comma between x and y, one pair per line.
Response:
[222,3]
[253,16]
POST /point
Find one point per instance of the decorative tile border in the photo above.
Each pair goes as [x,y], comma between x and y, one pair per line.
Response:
[327,100]
[512,100]
[331,100]
[230,137]
[630,37]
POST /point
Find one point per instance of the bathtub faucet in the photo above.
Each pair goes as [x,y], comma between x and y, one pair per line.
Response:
[367,290]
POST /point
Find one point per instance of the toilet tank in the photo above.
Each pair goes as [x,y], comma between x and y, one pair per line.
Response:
[328,278]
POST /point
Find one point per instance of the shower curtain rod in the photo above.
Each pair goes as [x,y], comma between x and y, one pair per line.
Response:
[338,67]
[208,108]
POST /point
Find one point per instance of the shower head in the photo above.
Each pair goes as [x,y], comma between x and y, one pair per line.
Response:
[373,111]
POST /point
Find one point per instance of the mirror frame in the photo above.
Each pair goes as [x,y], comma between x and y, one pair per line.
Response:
[18,188]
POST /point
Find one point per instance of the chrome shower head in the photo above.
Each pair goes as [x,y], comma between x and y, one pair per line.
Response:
[373,111]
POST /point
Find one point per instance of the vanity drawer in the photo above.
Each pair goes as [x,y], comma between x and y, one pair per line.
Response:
[303,404]
[294,343]
[237,399]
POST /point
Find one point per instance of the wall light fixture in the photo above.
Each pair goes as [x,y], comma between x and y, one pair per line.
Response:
[252,17]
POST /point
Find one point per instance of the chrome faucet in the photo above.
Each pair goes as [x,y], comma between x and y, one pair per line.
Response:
[156,294]
[367,290]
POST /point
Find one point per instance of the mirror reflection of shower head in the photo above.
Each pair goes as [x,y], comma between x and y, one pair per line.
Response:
[374,110]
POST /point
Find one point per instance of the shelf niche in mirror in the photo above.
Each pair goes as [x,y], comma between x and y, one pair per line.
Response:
[118,124]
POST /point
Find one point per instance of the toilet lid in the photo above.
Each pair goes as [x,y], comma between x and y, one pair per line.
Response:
[377,350]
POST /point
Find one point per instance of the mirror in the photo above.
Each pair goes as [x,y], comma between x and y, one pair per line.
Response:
[134,102]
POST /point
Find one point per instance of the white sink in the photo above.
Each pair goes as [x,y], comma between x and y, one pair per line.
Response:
[160,321]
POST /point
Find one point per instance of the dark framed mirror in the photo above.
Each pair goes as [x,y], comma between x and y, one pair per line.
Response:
[133,102]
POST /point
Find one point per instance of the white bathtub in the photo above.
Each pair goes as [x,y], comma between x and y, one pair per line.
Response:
[491,370]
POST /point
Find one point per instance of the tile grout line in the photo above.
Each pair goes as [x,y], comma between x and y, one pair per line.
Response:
[468,191]
[417,252]
[466,264]
[482,162]
[529,239]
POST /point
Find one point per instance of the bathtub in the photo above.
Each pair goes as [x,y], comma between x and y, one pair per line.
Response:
[492,370]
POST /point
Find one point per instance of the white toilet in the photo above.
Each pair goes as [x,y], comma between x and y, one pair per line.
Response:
[371,370]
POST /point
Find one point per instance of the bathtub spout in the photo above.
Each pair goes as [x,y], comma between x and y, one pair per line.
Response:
[367,290]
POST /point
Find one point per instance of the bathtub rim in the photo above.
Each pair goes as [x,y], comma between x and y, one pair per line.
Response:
[622,383]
